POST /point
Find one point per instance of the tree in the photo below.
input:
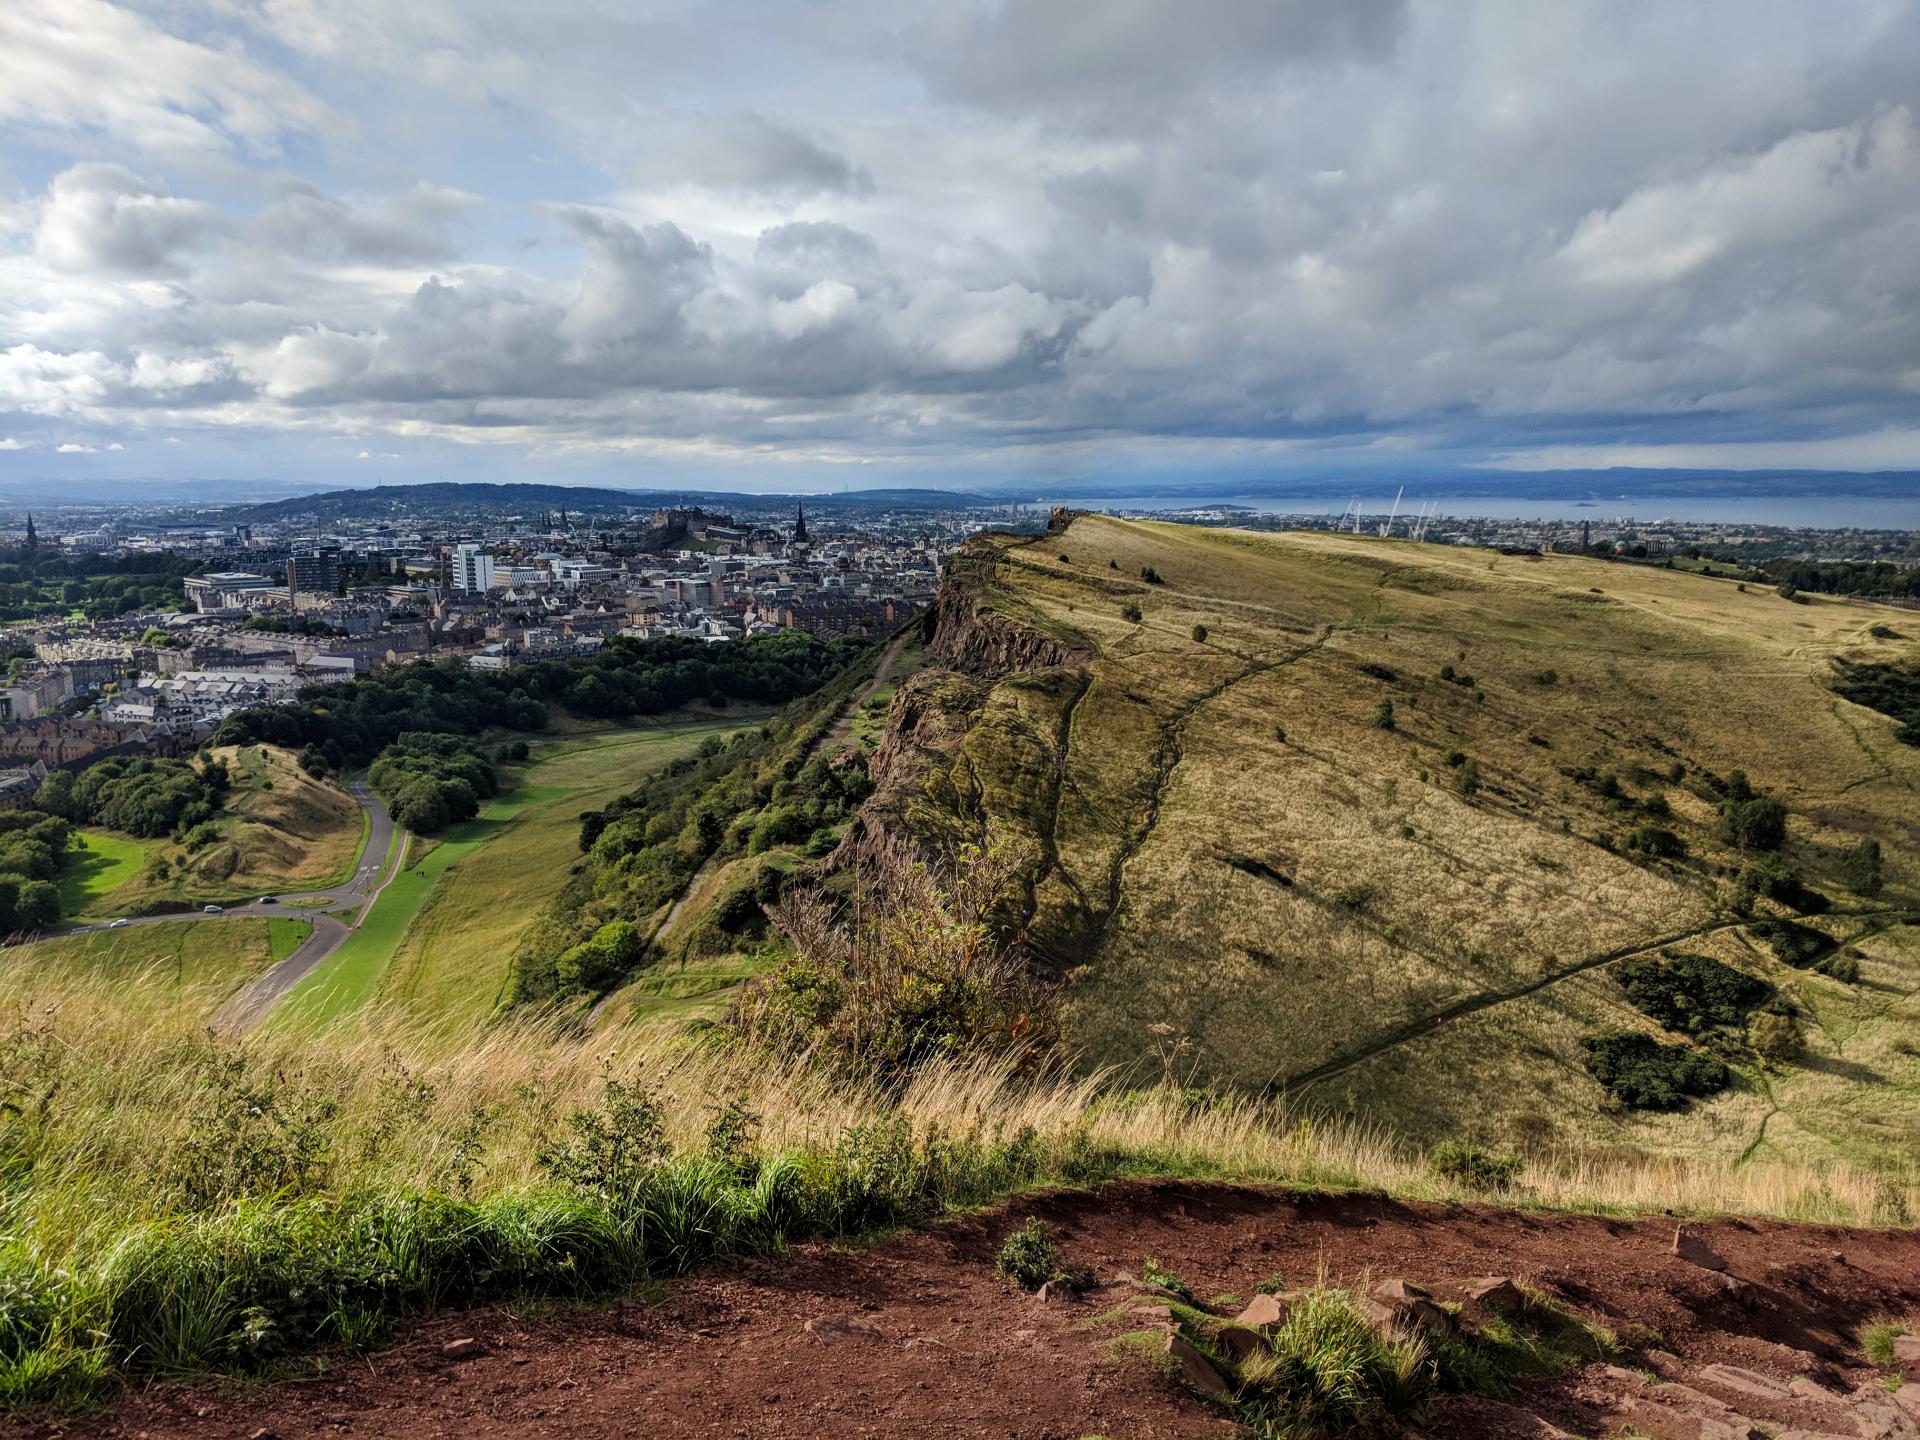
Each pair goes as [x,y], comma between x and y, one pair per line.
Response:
[1861,868]
[1756,824]
[1383,715]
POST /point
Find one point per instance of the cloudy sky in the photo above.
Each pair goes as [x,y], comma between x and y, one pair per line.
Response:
[796,245]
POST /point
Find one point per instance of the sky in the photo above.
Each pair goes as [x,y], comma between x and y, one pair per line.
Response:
[815,243]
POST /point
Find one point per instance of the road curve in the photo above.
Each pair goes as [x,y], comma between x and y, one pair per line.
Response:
[371,875]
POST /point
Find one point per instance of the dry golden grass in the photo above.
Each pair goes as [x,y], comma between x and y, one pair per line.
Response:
[1292,903]
[397,1102]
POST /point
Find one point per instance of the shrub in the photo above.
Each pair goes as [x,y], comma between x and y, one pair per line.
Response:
[1655,841]
[1151,575]
[1161,1278]
[1130,612]
[1643,1074]
[1328,1373]
[1793,943]
[917,974]
[1467,778]
[1383,715]
[1031,1258]
[1473,1167]
[1454,757]
[1199,634]
[1759,823]
[1861,868]
[1883,632]
[1690,993]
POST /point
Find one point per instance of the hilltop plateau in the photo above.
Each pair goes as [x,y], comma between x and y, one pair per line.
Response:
[1437,836]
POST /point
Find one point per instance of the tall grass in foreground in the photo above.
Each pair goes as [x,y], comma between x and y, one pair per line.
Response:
[171,1200]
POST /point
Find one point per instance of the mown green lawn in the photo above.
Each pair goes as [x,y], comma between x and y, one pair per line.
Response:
[99,863]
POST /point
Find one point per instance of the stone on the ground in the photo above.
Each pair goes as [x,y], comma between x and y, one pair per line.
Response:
[1906,1354]
[832,1329]
[1152,1314]
[1398,1292]
[1740,1381]
[1056,1292]
[1814,1392]
[1265,1312]
[1678,1421]
[1241,1343]
[1695,1251]
[1907,1398]
[465,1348]
[1196,1370]
[1493,1295]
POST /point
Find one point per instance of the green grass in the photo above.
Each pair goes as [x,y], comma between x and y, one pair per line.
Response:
[452,961]
[210,956]
[99,863]
[446,924]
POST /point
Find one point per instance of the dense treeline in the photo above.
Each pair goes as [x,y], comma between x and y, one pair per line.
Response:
[431,781]
[353,721]
[1846,577]
[143,796]
[643,848]
[33,850]
[98,586]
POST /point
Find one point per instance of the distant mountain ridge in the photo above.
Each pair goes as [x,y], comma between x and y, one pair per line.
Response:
[454,497]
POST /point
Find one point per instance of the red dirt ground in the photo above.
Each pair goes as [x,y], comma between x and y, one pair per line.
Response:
[920,1337]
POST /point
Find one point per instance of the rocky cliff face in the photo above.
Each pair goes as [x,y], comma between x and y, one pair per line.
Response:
[921,801]
[980,642]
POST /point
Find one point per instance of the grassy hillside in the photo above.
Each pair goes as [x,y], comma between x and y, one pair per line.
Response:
[280,829]
[204,960]
[1244,868]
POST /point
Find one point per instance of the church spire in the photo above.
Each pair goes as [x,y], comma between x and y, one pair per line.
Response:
[33,536]
[800,523]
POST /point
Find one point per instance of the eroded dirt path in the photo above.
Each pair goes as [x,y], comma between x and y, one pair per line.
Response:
[920,1337]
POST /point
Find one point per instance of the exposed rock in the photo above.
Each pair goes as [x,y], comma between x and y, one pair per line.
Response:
[1695,1251]
[1906,1354]
[465,1348]
[1801,1388]
[1056,1292]
[1265,1312]
[1494,1295]
[1398,1292]
[1676,1421]
[1664,1363]
[1749,1383]
[1876,1420]
[1195,1369]
[1152,1314]
[1907,1398]
[1241,1343]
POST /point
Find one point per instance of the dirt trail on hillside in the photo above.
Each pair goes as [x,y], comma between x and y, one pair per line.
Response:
[920,1336]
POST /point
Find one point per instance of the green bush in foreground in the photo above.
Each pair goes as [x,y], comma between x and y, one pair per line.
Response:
[1031,1258]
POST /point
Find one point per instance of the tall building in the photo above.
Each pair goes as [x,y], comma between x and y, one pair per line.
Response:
[316,572]
[799,523]
[33,536]
[472,568]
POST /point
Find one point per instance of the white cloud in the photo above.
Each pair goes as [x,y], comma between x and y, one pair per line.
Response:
[100,217]
[69,447]
[91,67]
[8,442]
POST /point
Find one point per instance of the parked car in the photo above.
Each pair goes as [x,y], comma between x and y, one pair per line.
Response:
[115,924]
[269,899]
[212,909]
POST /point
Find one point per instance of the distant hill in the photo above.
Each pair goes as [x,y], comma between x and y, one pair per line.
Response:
[1378,825]
[451,498]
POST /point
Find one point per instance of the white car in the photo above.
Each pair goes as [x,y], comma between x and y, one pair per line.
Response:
[213,910]
[115,924]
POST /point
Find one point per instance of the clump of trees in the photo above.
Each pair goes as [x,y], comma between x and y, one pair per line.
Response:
[143,796]
[430,781]
[1750,820]
[1642,1074]
[33,851]
[1891,689]
[1692,994]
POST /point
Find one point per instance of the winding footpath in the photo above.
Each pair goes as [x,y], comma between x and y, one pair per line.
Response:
[373,872]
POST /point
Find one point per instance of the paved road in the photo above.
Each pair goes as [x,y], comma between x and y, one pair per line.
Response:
[370,877]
